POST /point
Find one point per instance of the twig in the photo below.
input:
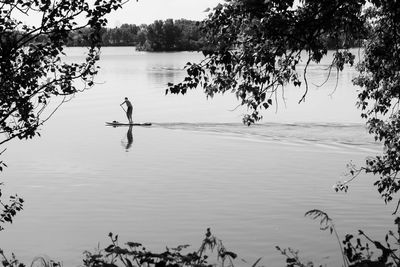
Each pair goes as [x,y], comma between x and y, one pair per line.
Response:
[235,108]
[397,207]
[337,82]
[303,98]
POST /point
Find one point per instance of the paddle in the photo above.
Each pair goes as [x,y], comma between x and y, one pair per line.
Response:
[123,108]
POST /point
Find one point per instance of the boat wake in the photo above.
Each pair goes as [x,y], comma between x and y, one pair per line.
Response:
[345,138]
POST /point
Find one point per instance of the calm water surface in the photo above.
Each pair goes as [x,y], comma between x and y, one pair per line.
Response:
[196,167]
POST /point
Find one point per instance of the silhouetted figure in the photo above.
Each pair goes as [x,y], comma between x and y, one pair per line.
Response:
[129,109]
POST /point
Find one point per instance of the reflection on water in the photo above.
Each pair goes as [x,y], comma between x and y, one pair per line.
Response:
[129,138]
[162,75]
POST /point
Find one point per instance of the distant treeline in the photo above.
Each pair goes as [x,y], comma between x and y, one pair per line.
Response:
[168,35]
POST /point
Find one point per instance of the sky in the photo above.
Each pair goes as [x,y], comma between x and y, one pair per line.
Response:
[147,11]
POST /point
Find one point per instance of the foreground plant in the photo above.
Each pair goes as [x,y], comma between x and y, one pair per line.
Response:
[135,254]
[10,261]
[361,251]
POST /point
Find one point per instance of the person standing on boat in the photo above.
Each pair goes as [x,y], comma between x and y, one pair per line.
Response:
[129,109]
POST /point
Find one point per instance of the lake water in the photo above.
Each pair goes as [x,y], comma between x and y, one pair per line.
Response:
[196,167]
